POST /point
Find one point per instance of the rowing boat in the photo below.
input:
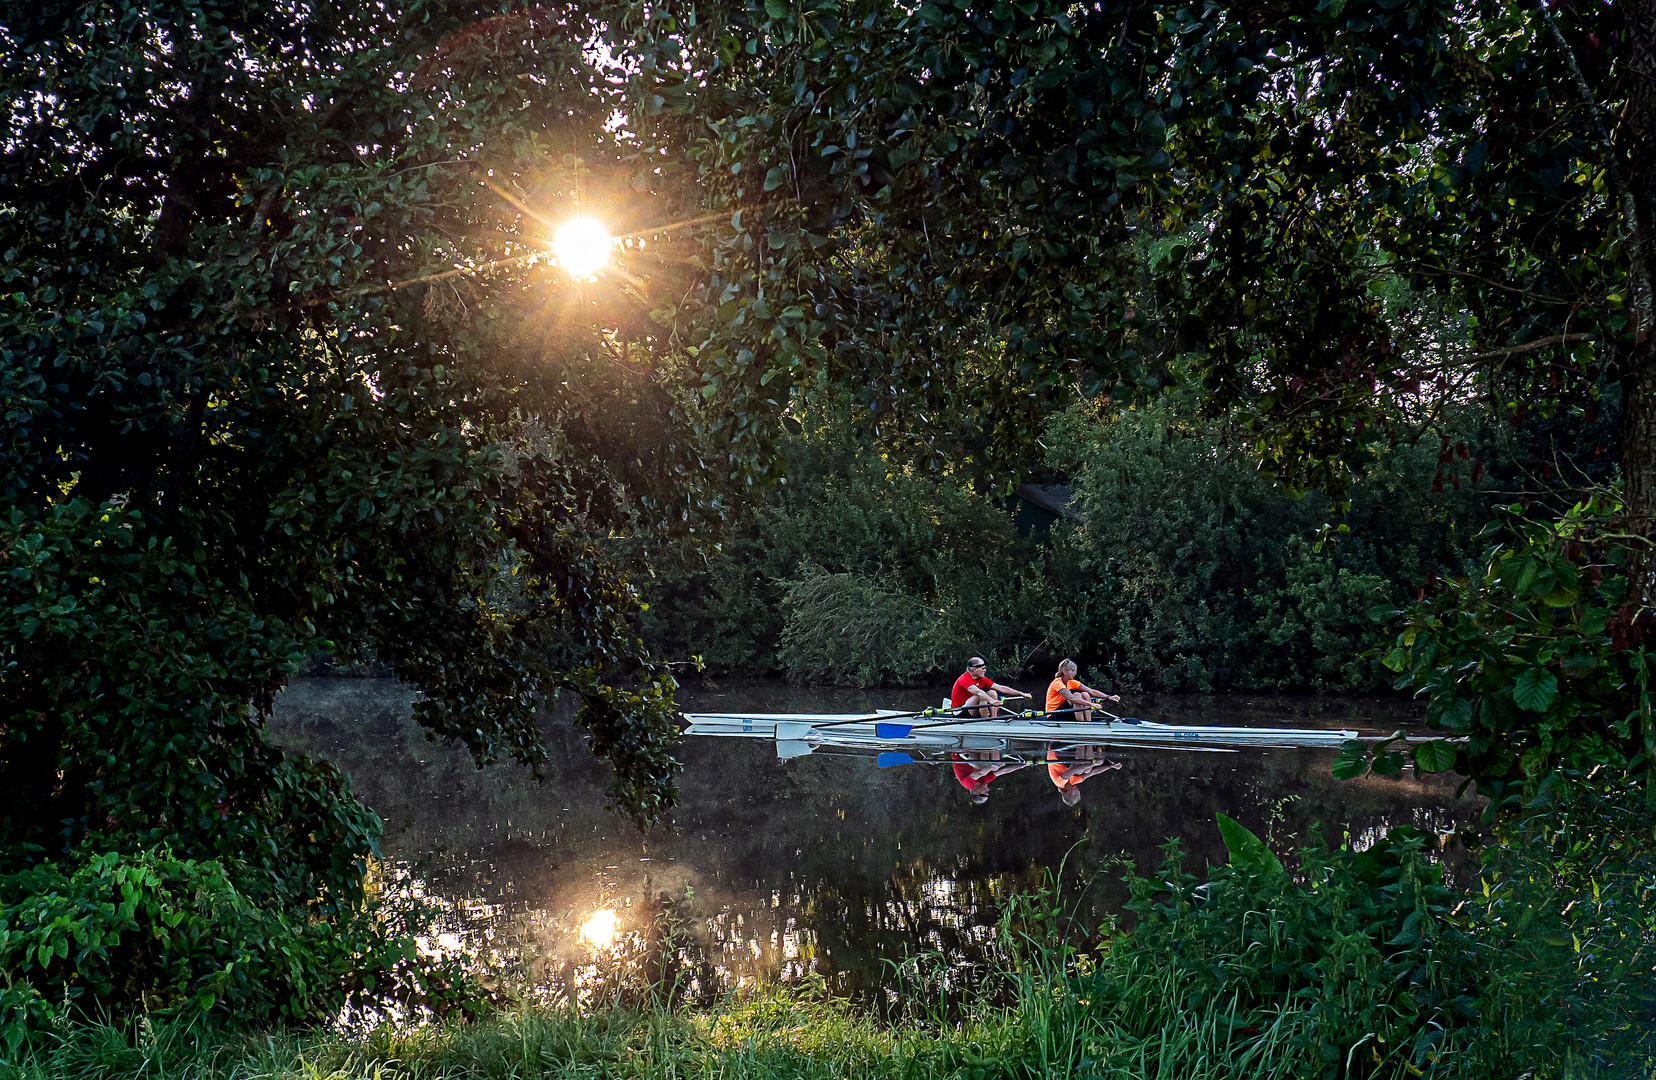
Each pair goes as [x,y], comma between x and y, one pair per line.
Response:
[799,733]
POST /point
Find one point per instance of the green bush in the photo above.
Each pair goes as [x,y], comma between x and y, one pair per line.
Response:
[862,565]
[1361,963]
[847,628]
[155,935]
[1539,660]
[1184,567]
[1200,573]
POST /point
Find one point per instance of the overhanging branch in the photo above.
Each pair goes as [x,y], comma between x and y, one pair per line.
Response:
[1531,346]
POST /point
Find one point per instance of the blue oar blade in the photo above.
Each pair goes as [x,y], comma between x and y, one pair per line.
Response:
[892,757]
[893,731]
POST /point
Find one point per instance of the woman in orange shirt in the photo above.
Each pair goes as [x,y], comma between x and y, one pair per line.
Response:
[1066,693]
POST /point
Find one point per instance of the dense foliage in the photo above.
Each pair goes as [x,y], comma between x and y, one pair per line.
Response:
[1538,661]
[863,567]
[1000,164]
[271,389]
[172,938]
[1194,571]
[284,370]
[1357,964]
[1181,566]
[1368,963]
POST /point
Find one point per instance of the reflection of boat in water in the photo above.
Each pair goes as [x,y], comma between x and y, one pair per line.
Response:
[797,734]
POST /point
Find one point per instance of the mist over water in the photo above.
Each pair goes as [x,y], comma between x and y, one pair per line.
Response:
[819,868]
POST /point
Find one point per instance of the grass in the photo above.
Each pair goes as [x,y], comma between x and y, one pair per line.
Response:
[770,1035]
[1153,1027]
[1248,975]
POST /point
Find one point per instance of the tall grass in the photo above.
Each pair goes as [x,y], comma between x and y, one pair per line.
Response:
[1360,965]
[1161,1026]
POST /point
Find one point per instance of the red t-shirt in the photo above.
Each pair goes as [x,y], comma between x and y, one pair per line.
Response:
[963,773]
[963,688]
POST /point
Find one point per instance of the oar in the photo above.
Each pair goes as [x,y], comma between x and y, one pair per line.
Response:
[934,711]
[881,727]
[889,758]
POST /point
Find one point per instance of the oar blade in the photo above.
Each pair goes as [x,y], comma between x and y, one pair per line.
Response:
[893,731]
[889,758]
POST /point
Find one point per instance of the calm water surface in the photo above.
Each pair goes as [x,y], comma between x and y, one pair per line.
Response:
[817,868]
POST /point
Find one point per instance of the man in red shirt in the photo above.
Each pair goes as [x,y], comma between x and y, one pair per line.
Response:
[978,694]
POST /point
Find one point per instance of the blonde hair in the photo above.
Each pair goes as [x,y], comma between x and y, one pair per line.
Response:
[1066,664]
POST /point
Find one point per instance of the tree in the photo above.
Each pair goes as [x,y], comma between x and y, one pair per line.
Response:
[993,207]
[994,162]
[285,369]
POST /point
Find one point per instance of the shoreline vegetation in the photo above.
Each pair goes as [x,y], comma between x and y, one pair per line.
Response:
[1175,564]
[1337,964]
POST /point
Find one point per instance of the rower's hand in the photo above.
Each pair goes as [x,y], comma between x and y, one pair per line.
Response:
[1113,697]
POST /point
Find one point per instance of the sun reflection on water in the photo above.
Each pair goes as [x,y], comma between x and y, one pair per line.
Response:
[599,929]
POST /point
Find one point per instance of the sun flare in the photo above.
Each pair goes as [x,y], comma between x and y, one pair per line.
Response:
[582,247]
[599,929]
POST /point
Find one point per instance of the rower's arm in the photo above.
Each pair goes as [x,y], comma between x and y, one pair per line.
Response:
[1014,691]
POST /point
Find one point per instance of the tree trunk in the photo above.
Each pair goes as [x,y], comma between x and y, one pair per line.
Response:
[1638,449]
[1636,145]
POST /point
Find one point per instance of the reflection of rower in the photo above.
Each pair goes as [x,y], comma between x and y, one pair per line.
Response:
[1068,777]
[1068,693]
[975,777]
[978,694]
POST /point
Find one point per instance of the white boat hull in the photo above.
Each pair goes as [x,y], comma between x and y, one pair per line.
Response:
[859,729]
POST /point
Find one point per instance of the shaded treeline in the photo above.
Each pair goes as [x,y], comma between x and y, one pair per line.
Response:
[1176,565]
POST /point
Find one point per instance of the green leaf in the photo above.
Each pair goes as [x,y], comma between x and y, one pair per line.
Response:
[1352,760]
[1389,763]
[1247,851]
[1534,689]
[776,9]
[1435,756]
[1397,659]
[1561,596]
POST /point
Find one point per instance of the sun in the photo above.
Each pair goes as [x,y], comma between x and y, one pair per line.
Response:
[599,929]
[582,247]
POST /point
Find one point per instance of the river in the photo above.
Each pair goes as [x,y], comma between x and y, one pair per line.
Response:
[820,870]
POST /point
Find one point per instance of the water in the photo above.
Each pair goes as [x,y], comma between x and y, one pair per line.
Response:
[813,869]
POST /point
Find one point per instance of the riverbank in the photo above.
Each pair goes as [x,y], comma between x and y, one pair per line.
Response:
[1359,964]
[785,1034]
[778,1036]
[781,1035]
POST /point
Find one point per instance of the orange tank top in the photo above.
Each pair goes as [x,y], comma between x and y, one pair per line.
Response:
[1055,700]
[1055,769]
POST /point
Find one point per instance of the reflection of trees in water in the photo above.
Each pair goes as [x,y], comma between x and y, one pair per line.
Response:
[817,868]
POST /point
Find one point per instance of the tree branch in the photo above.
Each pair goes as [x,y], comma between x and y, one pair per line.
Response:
[1531,346]
[1638,250]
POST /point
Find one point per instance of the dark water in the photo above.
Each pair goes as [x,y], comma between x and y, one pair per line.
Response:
[816,868]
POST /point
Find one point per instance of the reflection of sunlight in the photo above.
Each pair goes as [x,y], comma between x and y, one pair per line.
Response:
[599,929]
[582,247]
